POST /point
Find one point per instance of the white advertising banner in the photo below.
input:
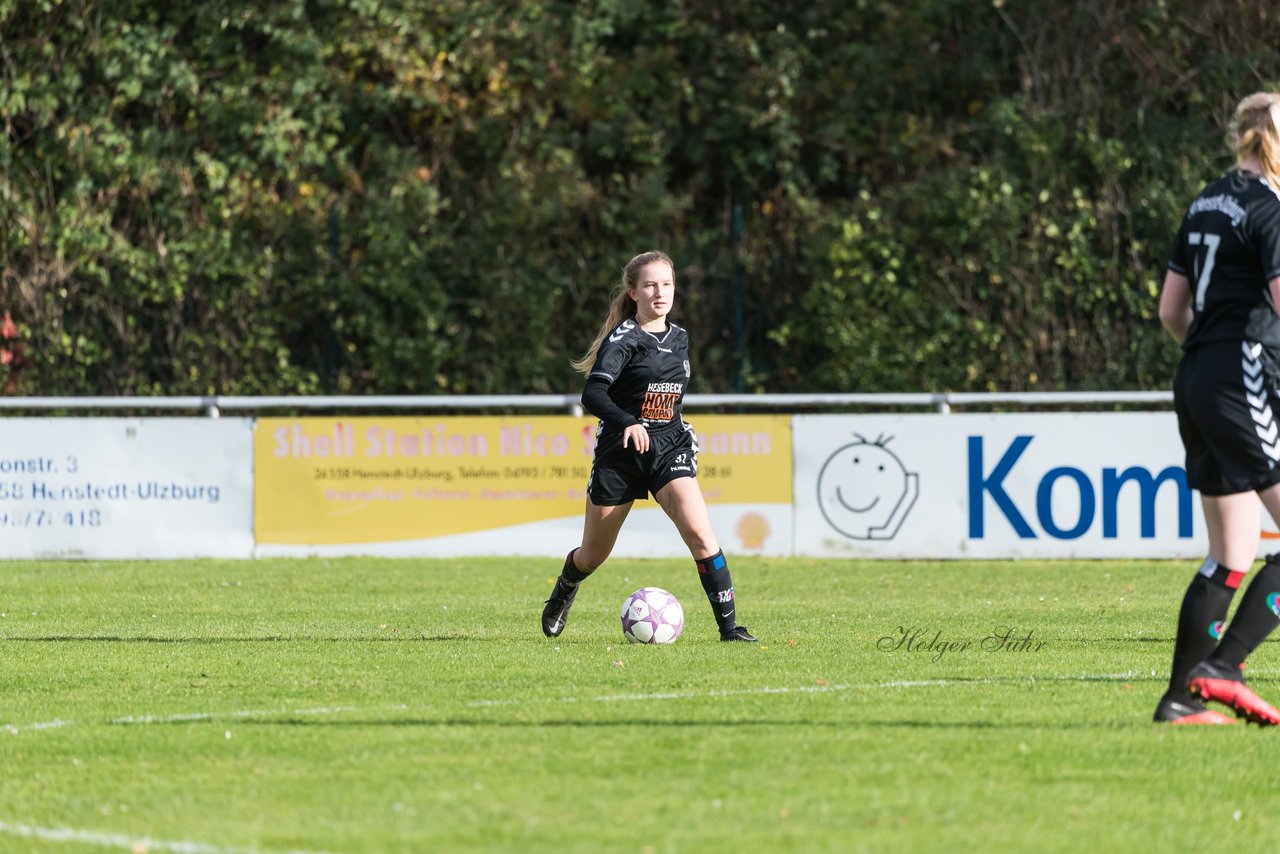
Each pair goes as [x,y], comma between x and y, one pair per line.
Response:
[1050,485]
[126,488]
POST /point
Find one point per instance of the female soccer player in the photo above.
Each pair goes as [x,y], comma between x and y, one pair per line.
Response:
[1219,301]
[637,370]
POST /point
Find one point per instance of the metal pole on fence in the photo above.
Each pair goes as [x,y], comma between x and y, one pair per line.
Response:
[739,346]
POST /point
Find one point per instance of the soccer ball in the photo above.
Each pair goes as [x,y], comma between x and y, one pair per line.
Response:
[652,615]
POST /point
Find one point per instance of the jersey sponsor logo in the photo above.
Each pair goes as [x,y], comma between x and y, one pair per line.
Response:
[665,388]
[658,406]
[621,331]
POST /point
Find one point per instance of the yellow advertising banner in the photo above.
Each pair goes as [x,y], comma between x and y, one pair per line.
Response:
[321,481]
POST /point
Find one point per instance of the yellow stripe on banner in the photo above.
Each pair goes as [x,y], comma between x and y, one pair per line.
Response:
[324,481]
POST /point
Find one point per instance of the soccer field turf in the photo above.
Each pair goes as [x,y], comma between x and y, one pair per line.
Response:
[414,705]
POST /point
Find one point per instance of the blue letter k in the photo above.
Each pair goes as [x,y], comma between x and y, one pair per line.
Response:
[992,485]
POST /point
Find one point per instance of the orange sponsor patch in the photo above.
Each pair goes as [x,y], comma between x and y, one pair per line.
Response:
[658,406]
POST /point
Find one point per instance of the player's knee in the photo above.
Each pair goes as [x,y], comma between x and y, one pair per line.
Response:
[702,544]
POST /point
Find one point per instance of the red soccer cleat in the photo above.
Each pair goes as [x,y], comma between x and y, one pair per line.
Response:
[1188,712]
[1222,684]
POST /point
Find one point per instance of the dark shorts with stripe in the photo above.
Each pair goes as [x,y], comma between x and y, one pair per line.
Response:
[619,475]
[1227,407]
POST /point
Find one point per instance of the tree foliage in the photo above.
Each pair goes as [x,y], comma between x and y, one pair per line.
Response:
[396,197]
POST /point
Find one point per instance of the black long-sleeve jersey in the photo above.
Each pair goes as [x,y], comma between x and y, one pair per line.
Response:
[639,377]
[1229,247]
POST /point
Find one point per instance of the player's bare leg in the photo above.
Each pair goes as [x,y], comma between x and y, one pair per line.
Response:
[682,500]
[599,534]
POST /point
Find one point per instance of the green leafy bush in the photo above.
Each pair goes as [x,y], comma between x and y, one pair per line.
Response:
[394,197]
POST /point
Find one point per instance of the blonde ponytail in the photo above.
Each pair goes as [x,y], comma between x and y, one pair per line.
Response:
[1257,133]
[621,307]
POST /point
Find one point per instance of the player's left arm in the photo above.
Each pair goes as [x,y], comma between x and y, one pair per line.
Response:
[1175,304]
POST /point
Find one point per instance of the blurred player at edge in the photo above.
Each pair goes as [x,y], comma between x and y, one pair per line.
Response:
[637,370]
[1219,300]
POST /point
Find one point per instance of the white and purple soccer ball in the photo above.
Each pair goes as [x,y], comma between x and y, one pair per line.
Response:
[652,615]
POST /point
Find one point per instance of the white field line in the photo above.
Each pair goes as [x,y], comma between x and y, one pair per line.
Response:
[121,840]
[37,726]
[190,716]
[210,716]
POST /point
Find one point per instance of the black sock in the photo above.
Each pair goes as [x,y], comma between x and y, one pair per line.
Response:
[1257,616]
[1204,607]
[713,572]
[570,573]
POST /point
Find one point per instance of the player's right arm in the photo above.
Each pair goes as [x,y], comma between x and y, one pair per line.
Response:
[1176,311]
[1175,305]
[612,359]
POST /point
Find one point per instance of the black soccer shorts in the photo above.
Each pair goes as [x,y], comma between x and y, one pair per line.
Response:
[619,475]
[1227,407]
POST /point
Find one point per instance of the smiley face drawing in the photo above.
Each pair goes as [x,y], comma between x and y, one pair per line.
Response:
[864,490]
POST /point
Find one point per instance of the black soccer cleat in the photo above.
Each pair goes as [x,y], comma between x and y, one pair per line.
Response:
[1187,712]
[556,612]
[739,633]
[1215,681]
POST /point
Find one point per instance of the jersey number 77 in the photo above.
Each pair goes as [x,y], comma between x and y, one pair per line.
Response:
[1204,268]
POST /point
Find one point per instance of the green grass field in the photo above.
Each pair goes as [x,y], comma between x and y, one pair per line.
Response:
[413,705]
